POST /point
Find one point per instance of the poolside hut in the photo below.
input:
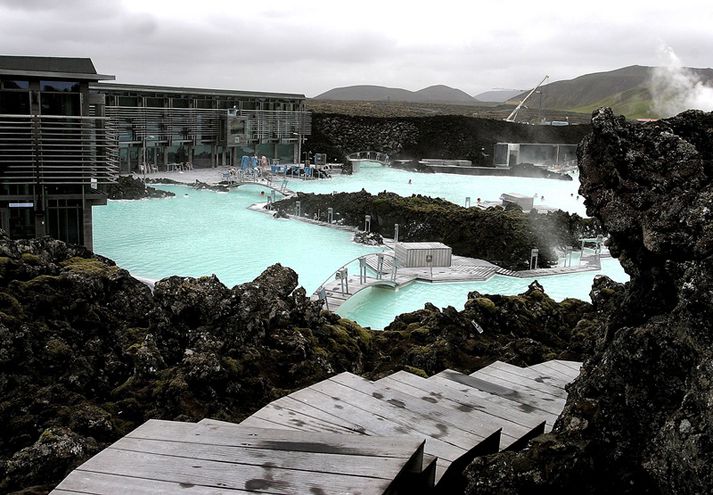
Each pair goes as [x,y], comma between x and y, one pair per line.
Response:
[422,254]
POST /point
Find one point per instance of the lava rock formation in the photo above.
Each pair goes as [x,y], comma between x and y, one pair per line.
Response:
[639,417]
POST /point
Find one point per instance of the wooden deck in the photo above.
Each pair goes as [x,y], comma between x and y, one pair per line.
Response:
[345,435]
[162,457]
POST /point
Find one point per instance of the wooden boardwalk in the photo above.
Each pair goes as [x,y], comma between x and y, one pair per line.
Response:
[345,435]
[459,416]
[166,457]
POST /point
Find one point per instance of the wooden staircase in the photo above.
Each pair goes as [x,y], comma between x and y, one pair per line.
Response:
[346,434]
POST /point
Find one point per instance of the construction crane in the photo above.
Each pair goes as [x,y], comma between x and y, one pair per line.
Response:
[513,115]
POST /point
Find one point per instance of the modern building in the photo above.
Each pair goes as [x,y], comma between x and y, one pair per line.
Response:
[63,134]
[547,155]
[159,125]
[56,147]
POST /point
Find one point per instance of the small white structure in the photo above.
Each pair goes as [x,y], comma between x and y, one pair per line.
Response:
[422,254]
[524,202]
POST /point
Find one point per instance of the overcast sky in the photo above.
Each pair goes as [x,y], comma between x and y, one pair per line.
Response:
[311,46]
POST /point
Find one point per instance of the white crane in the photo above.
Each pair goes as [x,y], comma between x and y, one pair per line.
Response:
[513,115]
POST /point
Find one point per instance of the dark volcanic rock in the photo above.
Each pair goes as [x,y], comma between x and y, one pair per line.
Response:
[445,136]
[368,238]
[639,418]
[87,353]
[501,236]
[128,187]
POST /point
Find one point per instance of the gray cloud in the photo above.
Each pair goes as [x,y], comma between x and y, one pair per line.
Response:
[311,48]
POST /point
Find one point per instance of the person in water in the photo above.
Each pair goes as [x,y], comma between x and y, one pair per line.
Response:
[409,181]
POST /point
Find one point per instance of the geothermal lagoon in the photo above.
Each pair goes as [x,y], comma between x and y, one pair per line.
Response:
[203,232]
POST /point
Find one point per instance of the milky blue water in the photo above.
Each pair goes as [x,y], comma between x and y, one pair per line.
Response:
[203,232]
[376,306]
[376,178]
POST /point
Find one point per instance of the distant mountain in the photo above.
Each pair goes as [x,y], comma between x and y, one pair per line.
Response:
[498,95]
[625,90]
[431,94]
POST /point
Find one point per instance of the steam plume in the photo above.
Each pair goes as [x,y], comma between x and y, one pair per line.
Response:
[675,88]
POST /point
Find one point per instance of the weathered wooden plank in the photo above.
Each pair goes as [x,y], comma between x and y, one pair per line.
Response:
[518,382]
[374,424]
[254,422]
[278,414]
[262,479]
[511,429]
[546,368]
[534,395]
[414,384]
[239,435]
[83,482]
[373,466]
[470,394]
[527,372]
[207,421]
[548,404]
[298,407]
[397,412]
[563,368]
[475,422]
[574,365]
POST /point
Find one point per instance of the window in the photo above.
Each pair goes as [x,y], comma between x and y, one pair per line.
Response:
[61,86]
[60,104]
[16,84]
[128,101]
[15,102]
[179,103]
[155,102]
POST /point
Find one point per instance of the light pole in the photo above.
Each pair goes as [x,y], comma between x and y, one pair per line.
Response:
[299,146]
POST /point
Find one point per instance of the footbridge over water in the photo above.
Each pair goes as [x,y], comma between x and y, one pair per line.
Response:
[375,270]
[277,186]
[369,156]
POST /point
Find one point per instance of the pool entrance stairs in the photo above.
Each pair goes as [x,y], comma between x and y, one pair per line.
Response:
[400,434]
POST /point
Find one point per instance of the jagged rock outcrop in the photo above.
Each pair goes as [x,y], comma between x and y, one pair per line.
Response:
[87,353]
[639,418]
[445,136]
[128,187]
[501,236]
[522,330]
[368,238]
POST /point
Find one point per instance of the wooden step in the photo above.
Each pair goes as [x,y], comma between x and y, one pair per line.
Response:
[527,400]
[469,397]
[541,376]
[519,382]
[467,429]
[370,422]
[565,372]
[495,416]
[173,457]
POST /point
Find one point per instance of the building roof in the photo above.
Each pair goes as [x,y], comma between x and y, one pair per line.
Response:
[65,67]
[142,88]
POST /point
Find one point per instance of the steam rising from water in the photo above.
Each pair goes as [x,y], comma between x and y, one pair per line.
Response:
[675,88]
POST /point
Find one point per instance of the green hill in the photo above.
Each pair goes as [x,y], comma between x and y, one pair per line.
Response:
[625,90]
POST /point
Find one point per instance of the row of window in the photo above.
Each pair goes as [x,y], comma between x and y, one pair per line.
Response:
[19,103]
[166,102]
[57,86]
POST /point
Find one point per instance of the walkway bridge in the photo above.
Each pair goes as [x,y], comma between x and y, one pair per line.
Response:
[241,178]
[401,434]
[375,270]
[369,156]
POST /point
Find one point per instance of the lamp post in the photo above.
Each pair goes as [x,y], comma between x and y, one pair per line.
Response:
[299,146]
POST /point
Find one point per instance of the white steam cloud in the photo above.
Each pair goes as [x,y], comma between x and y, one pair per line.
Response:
[675,88]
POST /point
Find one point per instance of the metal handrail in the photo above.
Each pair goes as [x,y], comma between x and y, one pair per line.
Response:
[358,258]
